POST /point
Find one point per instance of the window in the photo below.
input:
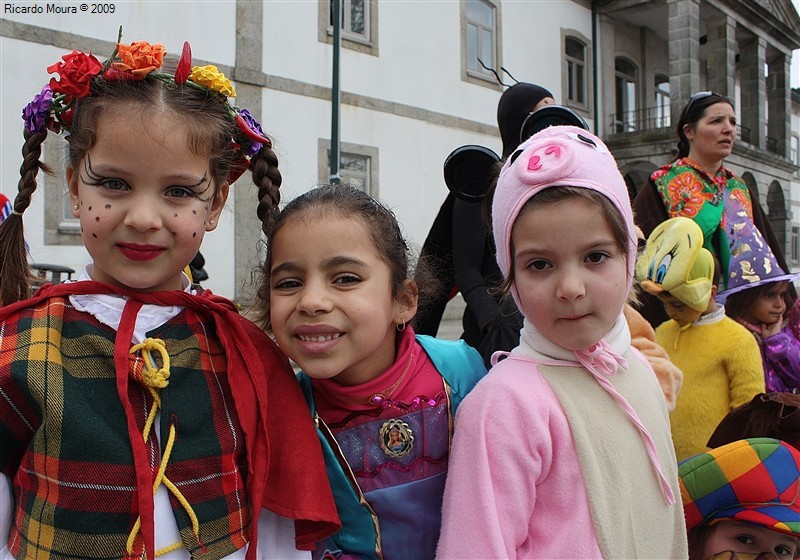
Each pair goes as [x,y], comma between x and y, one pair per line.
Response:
[778,213]
[794,150]
[355,19]
[358,166]
[481,39]
[359,24]
[354,170]
[795,244]
[575,70]
[662,117]
[61,227]
[625,118]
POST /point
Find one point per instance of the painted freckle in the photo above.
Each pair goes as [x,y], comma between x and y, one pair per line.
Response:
[194,211]
[94,235]
[194,234]
[97,219]
[90,208]
[108,207]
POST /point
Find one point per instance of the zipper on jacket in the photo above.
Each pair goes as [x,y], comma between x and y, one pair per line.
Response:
[337,451]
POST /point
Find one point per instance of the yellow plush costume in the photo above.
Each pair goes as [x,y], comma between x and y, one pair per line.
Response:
[722,369]
[720,360]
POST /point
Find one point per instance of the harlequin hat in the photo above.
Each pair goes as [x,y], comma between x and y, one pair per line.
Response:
[754,481]
[752,262]
[557,156]
[675,261]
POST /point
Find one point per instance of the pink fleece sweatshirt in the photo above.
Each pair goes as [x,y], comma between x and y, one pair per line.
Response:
[523,475]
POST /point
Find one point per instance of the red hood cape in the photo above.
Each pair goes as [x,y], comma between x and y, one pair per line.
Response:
[286,469]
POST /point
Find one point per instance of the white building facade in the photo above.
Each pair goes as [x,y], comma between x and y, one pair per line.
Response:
[413,90]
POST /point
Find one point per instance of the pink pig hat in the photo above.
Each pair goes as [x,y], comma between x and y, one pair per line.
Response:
[557,156]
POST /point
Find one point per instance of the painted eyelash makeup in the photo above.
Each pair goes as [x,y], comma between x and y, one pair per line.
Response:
[91,178]
[197,195]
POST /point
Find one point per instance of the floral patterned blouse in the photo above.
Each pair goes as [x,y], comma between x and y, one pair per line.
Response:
[687,190]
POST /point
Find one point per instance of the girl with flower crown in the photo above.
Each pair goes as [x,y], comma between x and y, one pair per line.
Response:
[140,415]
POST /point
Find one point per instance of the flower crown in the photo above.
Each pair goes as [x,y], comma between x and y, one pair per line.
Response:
[51,108]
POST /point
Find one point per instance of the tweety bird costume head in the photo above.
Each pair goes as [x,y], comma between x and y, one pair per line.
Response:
[674,263]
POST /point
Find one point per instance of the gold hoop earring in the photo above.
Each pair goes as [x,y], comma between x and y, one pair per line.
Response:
[402,327]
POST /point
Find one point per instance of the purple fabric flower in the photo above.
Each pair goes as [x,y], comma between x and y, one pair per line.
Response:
[36,113]
[251,147]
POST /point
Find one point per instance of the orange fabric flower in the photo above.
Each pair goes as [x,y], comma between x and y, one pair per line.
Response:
[139,58]
[685,195]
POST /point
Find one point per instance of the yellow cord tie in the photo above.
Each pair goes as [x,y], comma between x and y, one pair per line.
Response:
[157,378]
[678,335]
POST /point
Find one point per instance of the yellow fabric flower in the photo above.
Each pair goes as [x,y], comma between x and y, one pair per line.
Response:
[209,76]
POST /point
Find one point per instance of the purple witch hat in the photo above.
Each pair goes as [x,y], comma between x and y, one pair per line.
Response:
[752,262]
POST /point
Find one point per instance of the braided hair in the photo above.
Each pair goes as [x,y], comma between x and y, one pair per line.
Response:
[213,133]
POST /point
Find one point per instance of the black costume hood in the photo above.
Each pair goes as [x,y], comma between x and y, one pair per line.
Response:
[514,105]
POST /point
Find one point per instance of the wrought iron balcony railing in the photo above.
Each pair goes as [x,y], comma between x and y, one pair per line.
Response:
[656,118]
[639,120]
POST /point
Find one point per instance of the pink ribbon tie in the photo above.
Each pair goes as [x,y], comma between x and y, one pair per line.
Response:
[601,360]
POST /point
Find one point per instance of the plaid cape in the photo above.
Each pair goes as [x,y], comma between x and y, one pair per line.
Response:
[71,421]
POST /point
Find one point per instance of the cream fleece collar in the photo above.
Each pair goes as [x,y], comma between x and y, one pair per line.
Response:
[534,345]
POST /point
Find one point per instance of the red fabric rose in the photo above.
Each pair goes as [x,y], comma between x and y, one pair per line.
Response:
[76,73]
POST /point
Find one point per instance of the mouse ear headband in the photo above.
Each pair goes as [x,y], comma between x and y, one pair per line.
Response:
[82,74]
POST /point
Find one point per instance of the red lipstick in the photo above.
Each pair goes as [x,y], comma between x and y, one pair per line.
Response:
[136,252]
